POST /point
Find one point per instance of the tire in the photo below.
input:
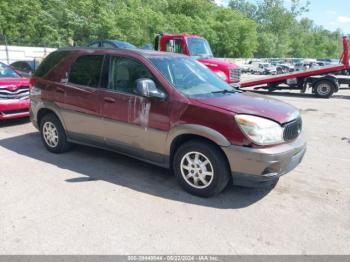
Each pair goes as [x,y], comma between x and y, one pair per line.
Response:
[53,134]
[324,89]
[216,165]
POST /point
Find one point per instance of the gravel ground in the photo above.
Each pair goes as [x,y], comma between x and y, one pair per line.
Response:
[90,201]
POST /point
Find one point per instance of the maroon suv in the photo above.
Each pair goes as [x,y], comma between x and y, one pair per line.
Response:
[168,110]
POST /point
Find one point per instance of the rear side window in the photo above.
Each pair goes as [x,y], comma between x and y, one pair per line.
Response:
[50,62]
[86,70]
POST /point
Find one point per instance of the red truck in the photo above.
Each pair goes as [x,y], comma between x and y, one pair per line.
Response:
[199,48]
[14,94]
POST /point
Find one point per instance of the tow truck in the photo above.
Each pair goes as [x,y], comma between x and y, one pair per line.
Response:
[323,83]
[199,48]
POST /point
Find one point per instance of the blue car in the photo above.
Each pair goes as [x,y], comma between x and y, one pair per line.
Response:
[111,44]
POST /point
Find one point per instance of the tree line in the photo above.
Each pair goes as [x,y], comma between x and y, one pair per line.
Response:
[243,29]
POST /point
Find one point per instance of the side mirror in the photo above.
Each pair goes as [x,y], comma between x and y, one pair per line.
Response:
[147,88]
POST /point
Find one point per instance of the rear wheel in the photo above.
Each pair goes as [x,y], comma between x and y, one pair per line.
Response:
[324,89]
[53,134]
[201,168]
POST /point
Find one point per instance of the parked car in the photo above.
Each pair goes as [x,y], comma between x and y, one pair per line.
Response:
[284,68]
[245,68]
[302,66]
[25,68]
[111,44]
[166,109]
[263,68]
[14,94]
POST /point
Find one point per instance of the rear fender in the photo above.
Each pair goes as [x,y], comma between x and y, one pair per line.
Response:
[37,106]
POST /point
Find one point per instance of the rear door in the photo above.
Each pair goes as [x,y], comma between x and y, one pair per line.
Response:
[81,104]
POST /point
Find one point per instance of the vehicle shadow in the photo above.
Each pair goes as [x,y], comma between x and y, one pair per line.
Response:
[95,164]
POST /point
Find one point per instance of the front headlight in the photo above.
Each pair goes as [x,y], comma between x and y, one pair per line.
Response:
[260,130]
[221,75]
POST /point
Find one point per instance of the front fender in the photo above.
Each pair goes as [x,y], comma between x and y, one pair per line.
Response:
[198,130]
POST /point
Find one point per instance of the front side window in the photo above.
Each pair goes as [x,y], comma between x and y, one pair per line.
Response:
[7,72]
[190,77]
[124,72]
[199,47]
[86,70]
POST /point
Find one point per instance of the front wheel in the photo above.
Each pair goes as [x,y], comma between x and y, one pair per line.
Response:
[201,168]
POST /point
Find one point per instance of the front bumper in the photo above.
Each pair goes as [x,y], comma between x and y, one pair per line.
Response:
[11,109]
[251,166]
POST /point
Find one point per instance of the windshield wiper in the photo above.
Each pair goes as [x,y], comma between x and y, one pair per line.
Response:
[225,92]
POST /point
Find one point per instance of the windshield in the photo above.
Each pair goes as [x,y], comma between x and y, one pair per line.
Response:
[190,77]
[7,72]
[199,47]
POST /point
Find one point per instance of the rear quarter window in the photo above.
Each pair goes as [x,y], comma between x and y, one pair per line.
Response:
[50,62]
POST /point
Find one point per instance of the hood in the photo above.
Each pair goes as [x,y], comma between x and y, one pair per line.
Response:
[213,62]
[253,104]
[5,82]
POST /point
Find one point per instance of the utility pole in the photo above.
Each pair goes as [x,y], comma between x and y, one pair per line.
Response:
[3,37]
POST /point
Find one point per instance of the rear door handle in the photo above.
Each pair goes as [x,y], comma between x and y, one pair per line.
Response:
[60,89]
[109,99]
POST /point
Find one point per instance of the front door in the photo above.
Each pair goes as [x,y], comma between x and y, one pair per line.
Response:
[130,121]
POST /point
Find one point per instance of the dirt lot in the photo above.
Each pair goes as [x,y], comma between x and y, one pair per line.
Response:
[89,201]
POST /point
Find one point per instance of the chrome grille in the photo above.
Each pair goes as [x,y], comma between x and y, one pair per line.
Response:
[18,93]
[292,129]
[235,74]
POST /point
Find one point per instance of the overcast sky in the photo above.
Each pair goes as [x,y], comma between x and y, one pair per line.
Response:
[330,14]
